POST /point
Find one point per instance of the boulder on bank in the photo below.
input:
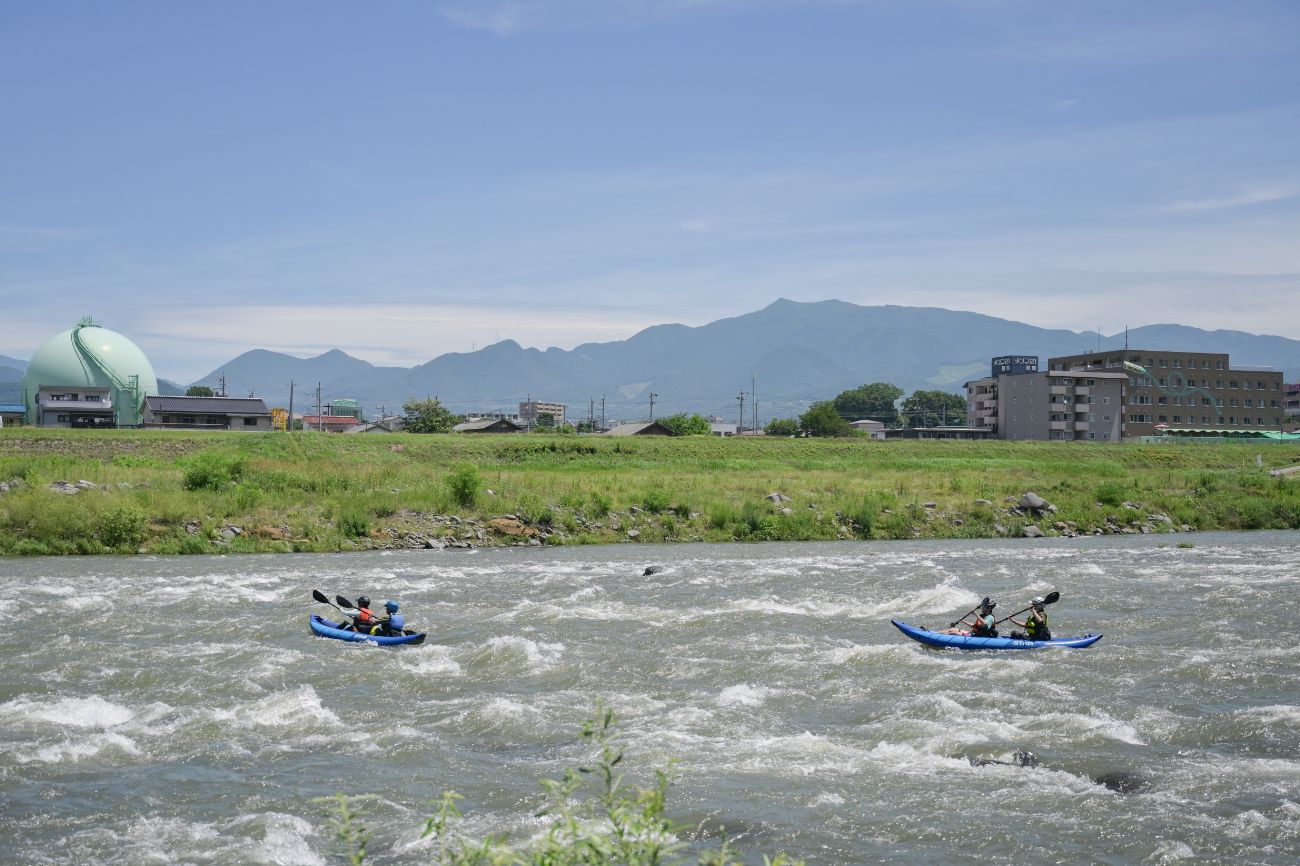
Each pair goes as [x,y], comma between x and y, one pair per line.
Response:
[1034,502]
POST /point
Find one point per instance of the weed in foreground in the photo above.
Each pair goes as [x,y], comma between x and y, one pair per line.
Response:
[618,825]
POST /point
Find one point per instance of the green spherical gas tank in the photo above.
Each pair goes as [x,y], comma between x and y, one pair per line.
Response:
[89,356]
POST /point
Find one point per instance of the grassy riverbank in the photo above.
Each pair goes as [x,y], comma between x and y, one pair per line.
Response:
[169,492]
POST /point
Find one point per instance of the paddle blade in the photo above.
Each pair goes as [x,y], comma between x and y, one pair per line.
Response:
[1051,598]
[320,596]
[343,602]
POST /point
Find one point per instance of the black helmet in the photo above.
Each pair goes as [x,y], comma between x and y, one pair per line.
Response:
[988,604]
[363,601]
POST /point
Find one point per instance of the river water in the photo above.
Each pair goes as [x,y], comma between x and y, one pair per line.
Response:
[177,710]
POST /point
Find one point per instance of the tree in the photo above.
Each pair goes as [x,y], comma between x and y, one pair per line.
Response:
[930,408]
[782,427]
[427,416]
[198,391]
[545,421]
[821,419]
[874,402]
[687,425]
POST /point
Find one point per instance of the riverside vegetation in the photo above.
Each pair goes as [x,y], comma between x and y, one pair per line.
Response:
[621,825]
[167,492]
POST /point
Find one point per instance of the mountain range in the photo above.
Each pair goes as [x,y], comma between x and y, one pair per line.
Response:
[792,353]
[787,354]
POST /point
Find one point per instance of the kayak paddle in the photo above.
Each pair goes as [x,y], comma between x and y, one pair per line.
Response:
[343,601]
[320,596]
[1050,598]
[983,602]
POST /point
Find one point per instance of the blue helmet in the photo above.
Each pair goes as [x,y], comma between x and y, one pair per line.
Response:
[390,606]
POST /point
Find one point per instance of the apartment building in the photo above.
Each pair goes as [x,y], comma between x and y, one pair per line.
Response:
[1291,406]
[1034,405]
[530,411]
[1185,390]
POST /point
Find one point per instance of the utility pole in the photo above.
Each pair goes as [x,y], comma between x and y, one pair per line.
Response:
[652,405]
[320,419]
[753,395]
[221,380]
[288,424]
[602,411]
[740,420]
[591,415]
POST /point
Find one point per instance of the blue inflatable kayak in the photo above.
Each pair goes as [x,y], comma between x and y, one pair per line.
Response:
[325,628]
[944,641]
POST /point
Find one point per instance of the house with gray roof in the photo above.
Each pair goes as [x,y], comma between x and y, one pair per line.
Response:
[639,428]
[488,425]
[206,413]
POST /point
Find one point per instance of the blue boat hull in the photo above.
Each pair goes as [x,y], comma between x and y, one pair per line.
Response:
[324,628]
[957,641]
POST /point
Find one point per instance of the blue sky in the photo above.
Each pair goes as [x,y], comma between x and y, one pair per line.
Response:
[405,179]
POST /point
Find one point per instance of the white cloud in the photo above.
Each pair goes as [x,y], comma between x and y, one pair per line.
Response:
[1245,199]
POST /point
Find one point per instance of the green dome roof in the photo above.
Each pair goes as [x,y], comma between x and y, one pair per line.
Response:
[89,356]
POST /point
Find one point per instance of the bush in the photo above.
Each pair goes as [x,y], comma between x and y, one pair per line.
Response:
[601,504]
[465,484]
[353,523]
[656,501]
[618,824]
[1112,493]
[212,472]
[123,526]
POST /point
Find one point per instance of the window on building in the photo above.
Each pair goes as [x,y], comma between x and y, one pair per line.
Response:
[1178,363]
[1164,363]
[1105,401]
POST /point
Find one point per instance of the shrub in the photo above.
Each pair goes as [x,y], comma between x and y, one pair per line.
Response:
[1112,493]
[617,824]
[353,522]
[656,501]
[122,526]
[210,471]
[601,504]
[465,484]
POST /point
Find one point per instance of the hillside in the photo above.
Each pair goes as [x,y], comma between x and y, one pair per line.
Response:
[796,353]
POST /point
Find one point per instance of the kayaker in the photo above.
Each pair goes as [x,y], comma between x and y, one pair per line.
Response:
[982,625]
[364,619]
[394,622]
[1035,625]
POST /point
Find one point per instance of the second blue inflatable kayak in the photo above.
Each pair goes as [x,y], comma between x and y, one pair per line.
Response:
[958,641]
[325,628]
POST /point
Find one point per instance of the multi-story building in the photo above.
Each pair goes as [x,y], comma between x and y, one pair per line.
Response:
[1185,390]
[529,413]
[1032,405]
[1291,406]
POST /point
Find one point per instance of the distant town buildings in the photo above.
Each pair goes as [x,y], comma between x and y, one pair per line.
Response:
[207,413]
[1125,394]
[535,413]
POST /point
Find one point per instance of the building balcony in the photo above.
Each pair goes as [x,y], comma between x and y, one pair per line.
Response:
[49,405]
[1058,425]
[1059,390]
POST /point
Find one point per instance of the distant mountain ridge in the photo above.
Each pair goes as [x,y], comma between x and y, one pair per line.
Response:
[797,353]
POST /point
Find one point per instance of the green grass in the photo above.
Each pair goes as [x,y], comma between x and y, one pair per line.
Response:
[172,492]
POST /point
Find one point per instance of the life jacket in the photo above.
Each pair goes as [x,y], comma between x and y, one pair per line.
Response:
[1032,627]
[365,616]
[397,622]
[984,627]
